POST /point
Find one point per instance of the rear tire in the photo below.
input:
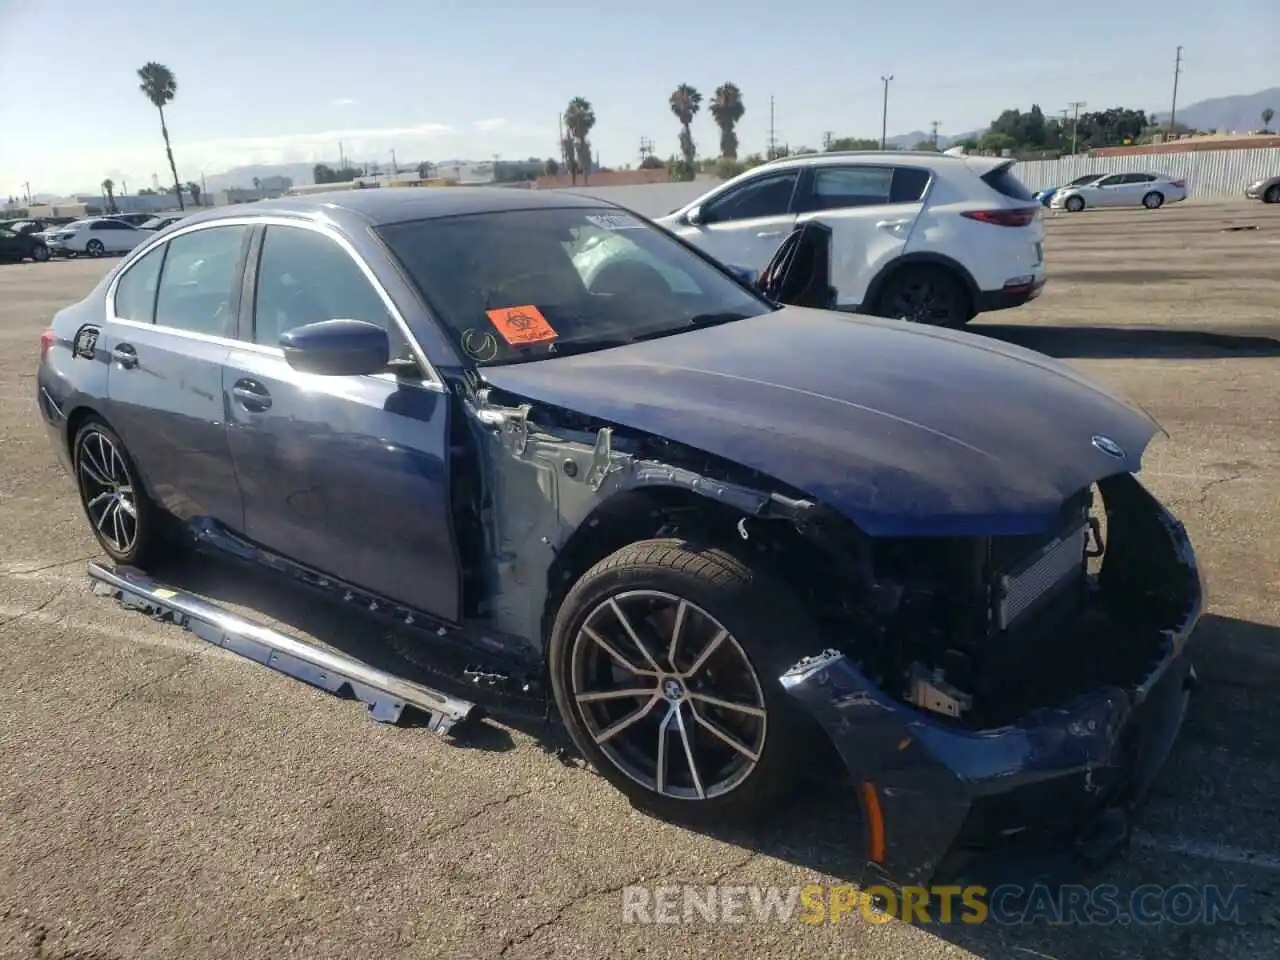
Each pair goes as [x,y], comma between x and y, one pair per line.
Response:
[1272,195]
[125,521]
[39,253]
[1153,200]
[94,248]
[1074,204]
[716,638]
[925,294]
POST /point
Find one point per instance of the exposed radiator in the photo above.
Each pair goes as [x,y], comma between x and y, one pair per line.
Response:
[1019,590]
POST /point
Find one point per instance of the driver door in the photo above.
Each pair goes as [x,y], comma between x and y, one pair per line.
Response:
[745,225]
[348,475]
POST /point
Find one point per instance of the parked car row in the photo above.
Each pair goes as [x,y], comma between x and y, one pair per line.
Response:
[40,240]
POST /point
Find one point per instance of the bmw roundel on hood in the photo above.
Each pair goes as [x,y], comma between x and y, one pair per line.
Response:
[906,430]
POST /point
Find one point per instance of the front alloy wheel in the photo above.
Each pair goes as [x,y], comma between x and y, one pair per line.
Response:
[668,695]
[664,661]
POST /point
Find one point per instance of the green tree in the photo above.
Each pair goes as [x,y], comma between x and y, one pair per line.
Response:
[727,109]
[257,183]
[685,102]
[651,163]
[551,166]
[579,118]
[853,143]
[109,192]
[1267,116]
[193,188]
[159,85]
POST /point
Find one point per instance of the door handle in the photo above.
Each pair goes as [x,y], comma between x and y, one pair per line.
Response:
[251,394]
[125,355]
[892,224]
[769,233]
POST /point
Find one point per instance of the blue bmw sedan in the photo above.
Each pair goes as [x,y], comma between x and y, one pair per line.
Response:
[730,536]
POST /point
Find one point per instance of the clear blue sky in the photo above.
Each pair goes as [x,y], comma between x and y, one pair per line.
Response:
[268,81]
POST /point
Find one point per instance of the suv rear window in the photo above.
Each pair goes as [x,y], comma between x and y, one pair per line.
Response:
[1002,181]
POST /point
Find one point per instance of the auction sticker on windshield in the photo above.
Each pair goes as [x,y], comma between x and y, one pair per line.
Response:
[521,326]
[615,221]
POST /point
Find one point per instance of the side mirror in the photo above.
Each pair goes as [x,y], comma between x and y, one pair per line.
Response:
[745,274]
[337,348]
[694,217]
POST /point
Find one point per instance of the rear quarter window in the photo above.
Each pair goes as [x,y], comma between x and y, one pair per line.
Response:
[1003,181]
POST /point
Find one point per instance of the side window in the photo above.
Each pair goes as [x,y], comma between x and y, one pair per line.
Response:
[909,184]
[305,277]
[766,196]
[1111,181]
[98,225]
[836,188]
[136,290]
[200,279]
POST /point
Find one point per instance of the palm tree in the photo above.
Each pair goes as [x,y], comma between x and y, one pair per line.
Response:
[685,104]
[1267,115]
[579,118]
[727,110]
[193,188]
[160,87]
[108,193]
[257,184]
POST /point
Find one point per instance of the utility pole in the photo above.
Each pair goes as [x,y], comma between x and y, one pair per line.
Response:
[124,187]
[827,137]
[27,185]
[1075,106]
[934,125]
[884,116]
[395,170]
[646,149]
[1173,107]
[773,142]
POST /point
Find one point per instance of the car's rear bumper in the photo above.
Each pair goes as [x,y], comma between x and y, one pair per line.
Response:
[1013,294]
[942,803]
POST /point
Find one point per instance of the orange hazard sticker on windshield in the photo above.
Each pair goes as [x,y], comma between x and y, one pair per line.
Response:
[521,326]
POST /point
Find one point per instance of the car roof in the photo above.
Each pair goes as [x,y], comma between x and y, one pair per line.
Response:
[379,206]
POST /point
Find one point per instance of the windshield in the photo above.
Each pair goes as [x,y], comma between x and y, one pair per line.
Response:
[529,284]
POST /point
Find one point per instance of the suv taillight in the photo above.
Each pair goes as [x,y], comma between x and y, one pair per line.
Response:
[46,341]
[1016,217]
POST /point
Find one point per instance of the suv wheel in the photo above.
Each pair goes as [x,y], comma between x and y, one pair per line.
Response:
[931,295]
[665,660]
[1074,204]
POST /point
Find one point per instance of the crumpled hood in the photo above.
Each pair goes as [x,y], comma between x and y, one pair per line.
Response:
[905,429]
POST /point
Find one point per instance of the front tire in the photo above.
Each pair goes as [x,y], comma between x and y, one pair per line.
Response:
[929,295]
[664,662]
[1153,200]
[94,248]
[124,520]
[1074,204]
[40,253]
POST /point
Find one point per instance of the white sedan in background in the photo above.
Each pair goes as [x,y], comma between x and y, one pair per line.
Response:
[1150,190]
[95,237]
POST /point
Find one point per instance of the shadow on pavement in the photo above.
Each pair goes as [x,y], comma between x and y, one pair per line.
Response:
[1108,342]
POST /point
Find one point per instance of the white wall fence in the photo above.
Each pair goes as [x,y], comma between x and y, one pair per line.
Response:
[1209,173]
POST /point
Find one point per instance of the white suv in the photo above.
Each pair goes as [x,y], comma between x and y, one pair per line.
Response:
[935,238]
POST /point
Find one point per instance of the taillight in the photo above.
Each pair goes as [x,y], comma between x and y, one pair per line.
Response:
[1018,217]
[46,341]
[1180,184]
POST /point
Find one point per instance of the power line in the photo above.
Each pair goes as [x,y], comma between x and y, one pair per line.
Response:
[884,116]
[1173,106]
[1075,106]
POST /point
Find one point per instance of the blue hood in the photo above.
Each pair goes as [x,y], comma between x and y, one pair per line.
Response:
[904,429]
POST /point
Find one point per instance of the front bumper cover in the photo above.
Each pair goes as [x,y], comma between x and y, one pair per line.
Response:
[944,803]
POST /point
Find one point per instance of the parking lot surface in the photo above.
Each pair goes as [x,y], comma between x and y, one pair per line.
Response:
[162,798]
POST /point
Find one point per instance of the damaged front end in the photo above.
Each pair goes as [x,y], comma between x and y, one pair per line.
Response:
[1021,709]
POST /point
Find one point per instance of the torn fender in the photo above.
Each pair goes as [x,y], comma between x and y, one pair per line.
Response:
[940,790]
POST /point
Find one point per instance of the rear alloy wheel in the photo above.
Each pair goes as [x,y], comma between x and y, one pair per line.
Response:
[39,253]
[94,248]
[123,518]
[1074,204]
[1153,200]
[665,661]
[1272,195]
[929,295]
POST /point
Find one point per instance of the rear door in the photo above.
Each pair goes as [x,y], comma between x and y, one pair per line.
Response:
[348,475]
[871,211]
[744,225]
[172,319]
